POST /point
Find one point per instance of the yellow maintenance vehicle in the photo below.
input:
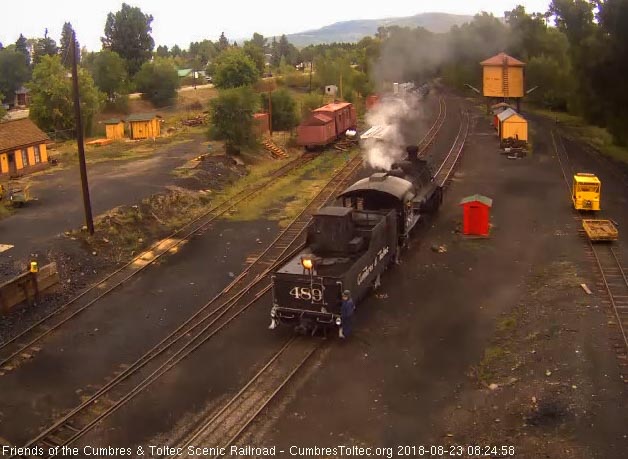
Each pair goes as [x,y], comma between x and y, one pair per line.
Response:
[585,192]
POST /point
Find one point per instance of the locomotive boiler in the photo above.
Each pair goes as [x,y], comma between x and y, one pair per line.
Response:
[350,244]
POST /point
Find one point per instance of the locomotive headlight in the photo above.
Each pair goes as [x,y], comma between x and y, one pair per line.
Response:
[307,263]
[338,321]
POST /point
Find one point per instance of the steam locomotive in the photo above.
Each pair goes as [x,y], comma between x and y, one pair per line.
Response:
[349,245]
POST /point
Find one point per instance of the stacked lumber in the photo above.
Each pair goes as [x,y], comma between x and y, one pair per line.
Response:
[273,149]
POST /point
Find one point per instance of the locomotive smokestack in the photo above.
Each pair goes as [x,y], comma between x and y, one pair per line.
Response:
[413,152]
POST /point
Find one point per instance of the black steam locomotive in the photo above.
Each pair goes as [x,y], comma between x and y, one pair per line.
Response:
[350,245]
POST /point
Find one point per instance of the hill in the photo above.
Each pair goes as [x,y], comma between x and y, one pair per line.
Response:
[353,31]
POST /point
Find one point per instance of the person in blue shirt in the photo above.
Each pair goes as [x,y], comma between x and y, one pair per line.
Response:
[346,315]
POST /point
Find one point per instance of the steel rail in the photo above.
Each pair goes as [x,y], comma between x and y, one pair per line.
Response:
[324,195]
[429,138]
[213,213]
[593,247]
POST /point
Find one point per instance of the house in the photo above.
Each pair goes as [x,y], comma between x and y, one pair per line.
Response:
[22,148]
[114,128]
[22,97]
[144,125]
[184,73]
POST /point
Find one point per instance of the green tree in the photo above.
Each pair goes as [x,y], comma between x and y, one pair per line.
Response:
[128,33]
[44,47]
[256,54]
[233,68]
[259,41]
[232,118]
[14,71]
[162,51]
[65,45]
[309,103]
[21,46]
[3,111]
[201,53]
[284,114]
[52,106]
[158,81]
[109,72]
[223,43]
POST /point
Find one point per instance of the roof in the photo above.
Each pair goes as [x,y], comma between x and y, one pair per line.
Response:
[502,58]
[334,211]
[501,104]
[320,117]
[20,133]
[488,202]
[382,183]
[184,72]
[22,90]
[378,132]
[142,117]
[113,121]
[582,177]
[508,113]
[333,107]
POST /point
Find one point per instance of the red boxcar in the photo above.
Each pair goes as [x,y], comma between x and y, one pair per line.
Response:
[326,124]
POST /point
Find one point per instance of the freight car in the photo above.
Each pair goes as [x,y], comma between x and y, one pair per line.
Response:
[326,124]
[349,245]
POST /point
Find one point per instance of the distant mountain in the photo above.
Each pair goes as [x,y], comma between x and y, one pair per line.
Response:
[354,31]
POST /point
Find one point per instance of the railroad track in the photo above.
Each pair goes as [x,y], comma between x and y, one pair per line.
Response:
[613,279]
[429,138]
[23,346]
[443,173]
[233,300]
[230,421]
[226,425]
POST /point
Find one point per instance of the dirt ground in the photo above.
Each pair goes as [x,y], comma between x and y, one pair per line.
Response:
[492,343]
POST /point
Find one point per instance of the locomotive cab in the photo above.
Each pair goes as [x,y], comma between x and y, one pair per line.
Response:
[345,249]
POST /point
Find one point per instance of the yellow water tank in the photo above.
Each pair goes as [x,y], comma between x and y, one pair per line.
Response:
[503,77]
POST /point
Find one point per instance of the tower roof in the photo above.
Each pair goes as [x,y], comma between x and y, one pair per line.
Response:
[502,58]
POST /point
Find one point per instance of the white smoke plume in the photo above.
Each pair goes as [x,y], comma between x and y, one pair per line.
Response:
[388,144]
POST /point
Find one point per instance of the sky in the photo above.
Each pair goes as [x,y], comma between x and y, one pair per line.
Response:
[181,22]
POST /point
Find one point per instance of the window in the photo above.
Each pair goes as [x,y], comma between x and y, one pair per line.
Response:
[37,154]
[24,157]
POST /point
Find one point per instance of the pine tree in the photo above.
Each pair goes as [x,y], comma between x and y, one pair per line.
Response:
[21,46]
[223,43]
[66,45]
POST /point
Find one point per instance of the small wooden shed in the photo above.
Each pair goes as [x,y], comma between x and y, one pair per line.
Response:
[114,128]
[144,125]
[476,215]
[512,126]
[496,110]
[261,123]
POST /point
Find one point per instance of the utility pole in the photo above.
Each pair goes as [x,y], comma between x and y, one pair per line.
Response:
[311,68]
[270,112]
[89,221]
[341,86]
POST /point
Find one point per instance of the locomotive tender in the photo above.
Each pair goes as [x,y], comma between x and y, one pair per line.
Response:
[349,245]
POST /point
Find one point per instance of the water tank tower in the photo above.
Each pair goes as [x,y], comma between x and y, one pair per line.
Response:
[503,78]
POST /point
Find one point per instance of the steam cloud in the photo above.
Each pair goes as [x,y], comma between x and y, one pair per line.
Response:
[382,151]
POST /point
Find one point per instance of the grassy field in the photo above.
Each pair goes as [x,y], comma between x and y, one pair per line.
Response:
[286,197]
[597,137]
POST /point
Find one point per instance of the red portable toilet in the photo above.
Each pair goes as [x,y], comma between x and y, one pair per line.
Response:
[476,215]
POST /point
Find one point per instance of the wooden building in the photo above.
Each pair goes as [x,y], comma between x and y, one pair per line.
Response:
[22,148]
[144,126]
[502,79]
[114,128]
[476,215]
[261,123]
[512,126]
